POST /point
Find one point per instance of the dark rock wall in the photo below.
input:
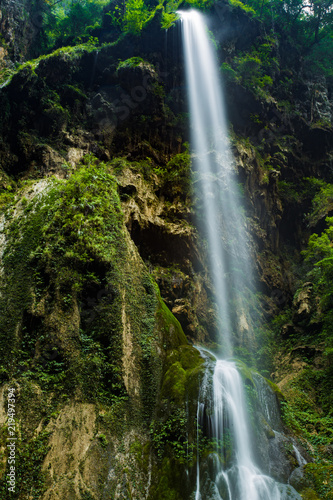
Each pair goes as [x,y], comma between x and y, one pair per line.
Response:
[133,118]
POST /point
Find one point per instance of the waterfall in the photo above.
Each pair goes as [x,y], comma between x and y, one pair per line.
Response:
[222,216]
[231,473]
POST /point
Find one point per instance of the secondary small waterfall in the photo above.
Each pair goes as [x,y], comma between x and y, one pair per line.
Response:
[233,473]
[222,412]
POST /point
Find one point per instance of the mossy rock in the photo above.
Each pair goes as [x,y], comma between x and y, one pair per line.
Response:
[173,335]
[182,378]
[174,383]
[270,434]
[280,396]
[309,494]
[170,476]
[245,372]
[189,357]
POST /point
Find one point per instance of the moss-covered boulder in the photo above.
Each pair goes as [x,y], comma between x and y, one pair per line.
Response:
[91,343]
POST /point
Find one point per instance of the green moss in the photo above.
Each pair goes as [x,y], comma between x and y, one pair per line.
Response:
[35,409]
[241,5]
[174,383]
[173,335]
[69,264]
[190,358]
[6,198]
[104,442]
[309,494]
[245,371]
[169,476]
[173,432]
[302,410]
[132,62]
[280,396]
[321,476]
[70,240]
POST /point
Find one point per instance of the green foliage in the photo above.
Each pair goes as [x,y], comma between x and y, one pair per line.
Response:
[288,191]
[6,197]
[73,22]
[319,259]
[322,201]
[320,252]
[168,19]
[306,26]
[302,411]
[132,16]
[255,69]
[60,247]
[86,218]
[136,16]
[104,442]
[229,73]
[172,434]
[321,476]
[243,6]
[132,62]
[176,175]
[31,447]
[29,465]
[308,408]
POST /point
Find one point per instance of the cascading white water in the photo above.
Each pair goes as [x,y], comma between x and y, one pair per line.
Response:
[244,480]
[233,472]
[222,411]
[222,217]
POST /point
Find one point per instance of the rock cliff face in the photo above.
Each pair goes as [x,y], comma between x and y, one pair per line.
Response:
[104,283]
[20,25]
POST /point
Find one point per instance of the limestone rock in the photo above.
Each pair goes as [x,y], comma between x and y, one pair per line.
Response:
[302,304]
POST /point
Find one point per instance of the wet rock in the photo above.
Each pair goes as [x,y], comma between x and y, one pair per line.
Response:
[132,76]
[269,433]
[280,466]
[50,159]
[18,28]
[298,480]
[287,492]
[318,101]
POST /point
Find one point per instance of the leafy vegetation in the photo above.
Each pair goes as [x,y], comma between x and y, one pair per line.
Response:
[319,257]
[306,26]
[69,246]
[308,340]
[67,22]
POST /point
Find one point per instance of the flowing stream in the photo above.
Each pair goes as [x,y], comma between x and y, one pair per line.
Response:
[233,473]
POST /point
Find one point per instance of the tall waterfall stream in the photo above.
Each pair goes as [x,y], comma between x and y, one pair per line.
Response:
[222,409]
